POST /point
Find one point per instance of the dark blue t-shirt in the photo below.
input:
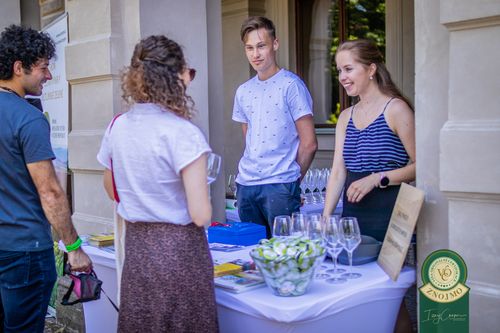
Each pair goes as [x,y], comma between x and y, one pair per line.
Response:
[24,138]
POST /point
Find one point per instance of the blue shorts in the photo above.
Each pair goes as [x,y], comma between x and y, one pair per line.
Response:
[261,203]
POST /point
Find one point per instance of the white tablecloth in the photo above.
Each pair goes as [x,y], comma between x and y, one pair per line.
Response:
[232,214]
[101,316]
[367,304]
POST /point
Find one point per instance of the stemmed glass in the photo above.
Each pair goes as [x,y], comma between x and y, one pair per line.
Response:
[303,188]
[325,174]
[316,189]
[213,167]
[298,227]
[231,185]
[308,185]
[281,226]
[313,229]
[352,238]
[314,233]
[334,244]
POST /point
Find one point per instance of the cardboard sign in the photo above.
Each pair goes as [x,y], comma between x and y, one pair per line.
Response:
[398,237]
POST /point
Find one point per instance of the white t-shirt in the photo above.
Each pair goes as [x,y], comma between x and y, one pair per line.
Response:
[149,146]
[270,109]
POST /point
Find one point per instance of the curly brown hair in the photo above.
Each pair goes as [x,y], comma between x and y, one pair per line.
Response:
[154,76]
[26,45]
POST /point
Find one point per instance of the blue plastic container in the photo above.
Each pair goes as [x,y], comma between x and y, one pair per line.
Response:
[236,233]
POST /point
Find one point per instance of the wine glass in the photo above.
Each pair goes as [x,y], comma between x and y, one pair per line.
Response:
[314,233]
[316,189]
[298,227]
[303,188]
[322,185]
[313,229]
[334,244]
[305,184]
[281,226]
[231,185]
[213,167]
[352,238]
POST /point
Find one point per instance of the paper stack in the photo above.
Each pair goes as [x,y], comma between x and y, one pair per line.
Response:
[102,240]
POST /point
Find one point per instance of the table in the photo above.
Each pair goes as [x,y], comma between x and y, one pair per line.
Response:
[368,304]
[101,316]
[232,214]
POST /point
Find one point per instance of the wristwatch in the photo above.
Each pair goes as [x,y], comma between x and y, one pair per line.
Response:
[384,180]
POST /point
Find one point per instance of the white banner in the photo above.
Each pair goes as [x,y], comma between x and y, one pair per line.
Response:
[55,95]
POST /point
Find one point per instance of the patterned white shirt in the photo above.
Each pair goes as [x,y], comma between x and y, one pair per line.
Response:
[270,109]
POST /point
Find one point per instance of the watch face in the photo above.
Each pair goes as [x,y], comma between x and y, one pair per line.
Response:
[384,181]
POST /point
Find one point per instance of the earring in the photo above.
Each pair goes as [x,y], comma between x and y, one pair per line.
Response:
[371,77]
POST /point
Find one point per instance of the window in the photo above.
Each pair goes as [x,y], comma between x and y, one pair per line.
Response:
[321,26]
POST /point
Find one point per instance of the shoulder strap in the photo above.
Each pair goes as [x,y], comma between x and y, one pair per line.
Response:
[115,191]
[386,104]
[112,303]
[113,121]
[352,111]
[66,296]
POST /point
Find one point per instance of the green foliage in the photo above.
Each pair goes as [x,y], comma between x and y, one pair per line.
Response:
[334,117]
[59,257]
[365,19]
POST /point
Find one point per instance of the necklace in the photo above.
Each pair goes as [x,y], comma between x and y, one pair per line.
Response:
[10,90]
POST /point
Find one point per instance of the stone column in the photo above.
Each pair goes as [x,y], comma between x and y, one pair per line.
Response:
[101,36]
[431,105]
[470,151]
[458,130]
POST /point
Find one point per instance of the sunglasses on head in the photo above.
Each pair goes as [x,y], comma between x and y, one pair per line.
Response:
[192,73]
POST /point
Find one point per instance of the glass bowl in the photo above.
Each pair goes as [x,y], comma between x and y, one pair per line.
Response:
[288,263]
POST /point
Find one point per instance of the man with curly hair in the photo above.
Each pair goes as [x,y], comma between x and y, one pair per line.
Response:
[31,198]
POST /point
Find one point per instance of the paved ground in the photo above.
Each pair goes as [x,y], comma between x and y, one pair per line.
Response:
[51,326]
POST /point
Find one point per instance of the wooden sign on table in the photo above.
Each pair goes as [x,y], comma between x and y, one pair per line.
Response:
[398,237]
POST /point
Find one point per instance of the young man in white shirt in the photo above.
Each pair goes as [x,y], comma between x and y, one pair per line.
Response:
[275,109]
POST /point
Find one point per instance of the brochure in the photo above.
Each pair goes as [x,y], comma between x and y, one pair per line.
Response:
[225,247]
[240,282]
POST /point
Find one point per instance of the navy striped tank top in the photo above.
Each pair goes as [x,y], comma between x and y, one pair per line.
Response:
[373,149]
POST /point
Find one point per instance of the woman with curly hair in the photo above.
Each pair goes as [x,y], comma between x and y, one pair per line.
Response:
[158,161]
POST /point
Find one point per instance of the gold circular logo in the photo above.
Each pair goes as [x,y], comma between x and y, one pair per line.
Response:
[444,273]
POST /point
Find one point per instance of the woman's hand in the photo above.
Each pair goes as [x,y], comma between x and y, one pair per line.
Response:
[361,187]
